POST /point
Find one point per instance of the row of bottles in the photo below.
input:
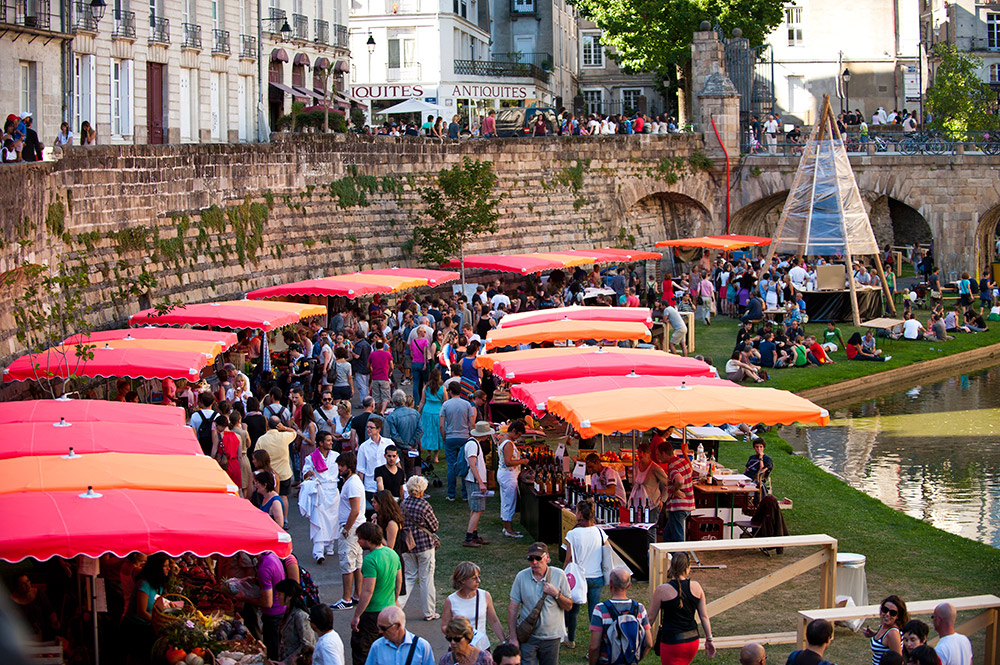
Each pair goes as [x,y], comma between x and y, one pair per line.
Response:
[549,480]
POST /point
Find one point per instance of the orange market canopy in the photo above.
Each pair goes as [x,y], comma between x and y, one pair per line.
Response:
[614,255]
[210,349]
[487,360]
[168,473]
[627,409]
[578,313]
[225,339]
[542,261]
[116,521]
[134,363]
[536,395]
[433,277]
[231,314]
[355,284]
[603,362]
[51,411]
[723,242]
[555,331]
[54,438]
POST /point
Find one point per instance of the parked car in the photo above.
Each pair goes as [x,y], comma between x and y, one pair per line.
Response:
[517,121]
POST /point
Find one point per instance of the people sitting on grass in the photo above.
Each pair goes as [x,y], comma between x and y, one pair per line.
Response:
[801,356]
[817,351]
[831,336]
[856,351]
[738,371]
[939,333]
[771,357]
[994,313]
[868,343]
[912,329]
[952,321]
[974,321]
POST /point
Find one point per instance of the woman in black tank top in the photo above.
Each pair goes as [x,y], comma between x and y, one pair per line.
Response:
[676,603]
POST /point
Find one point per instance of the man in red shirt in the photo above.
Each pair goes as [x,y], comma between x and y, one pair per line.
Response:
[380,362]
[639,123]
[490,125]
[680,497]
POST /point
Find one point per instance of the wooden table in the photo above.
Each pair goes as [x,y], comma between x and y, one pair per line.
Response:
[883,323]
[667,330]
[718,491]
[630,542]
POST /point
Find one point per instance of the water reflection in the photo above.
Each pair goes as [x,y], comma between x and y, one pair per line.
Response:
[931,452]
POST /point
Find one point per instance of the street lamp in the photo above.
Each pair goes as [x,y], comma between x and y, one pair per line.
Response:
[846,78]
[371,50]
[97,8]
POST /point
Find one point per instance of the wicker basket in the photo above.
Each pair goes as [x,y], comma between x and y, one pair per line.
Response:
[161,619]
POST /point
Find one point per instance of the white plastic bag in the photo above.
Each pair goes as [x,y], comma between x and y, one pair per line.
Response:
[577,583]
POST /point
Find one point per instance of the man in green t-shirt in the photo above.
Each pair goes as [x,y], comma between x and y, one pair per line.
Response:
[831,336]
[382,576]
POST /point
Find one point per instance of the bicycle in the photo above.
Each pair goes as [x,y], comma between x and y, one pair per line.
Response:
[924,142]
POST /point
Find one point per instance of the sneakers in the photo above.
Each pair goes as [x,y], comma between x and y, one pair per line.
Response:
[449,498]
[406,382]
[342,605]
[471,543]
[512,534]
[432,617]
[481,540]
[320,560]
[888,358]
[568,644]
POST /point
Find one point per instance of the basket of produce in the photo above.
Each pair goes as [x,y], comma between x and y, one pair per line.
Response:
[165,614]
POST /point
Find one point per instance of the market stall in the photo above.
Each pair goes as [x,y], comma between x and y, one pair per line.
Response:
[578,313]
[567,330]
[233,315]
[598,362]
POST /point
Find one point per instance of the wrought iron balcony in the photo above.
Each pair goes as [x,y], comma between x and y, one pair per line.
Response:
[322,29]
[340,36]
[192,35]
[27,14]
[276,17]
[83,17]
[408,73]
[248,47]
[522,7]
[300,26]
[220,42]
[538,58]
[159,30]
[500,69]
[124,24]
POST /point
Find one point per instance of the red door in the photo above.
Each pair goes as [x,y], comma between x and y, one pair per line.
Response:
[154,102]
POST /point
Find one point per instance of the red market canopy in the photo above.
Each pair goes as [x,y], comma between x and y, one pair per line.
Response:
[605,362]
[135,363]
[226,339]
[535,396]
[614,255]
[520,263]
[578,313]
[568,329]
[627,409]
[119,522]
[231,314]
[47,438]
[61,473]
[723,242]
[318,287]
[50,411]
[433,277]
[486,360]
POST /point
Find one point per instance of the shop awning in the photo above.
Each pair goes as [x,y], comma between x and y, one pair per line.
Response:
[119,522]
[723,242]
[167,473]
[226,339]
[281,87]
[301,91]
[231,314]
[355,284]
[321,63]
[133,363]
[627,409]
[301,59]
[433,277]
[567,260]
[341,67]
[487,360]
[578,313]
[47,438]
[280,55]
[599,363]
[394,282]
[614,255]
[523,264]
[535,396]
[554,331]
[316,287]
[51,411]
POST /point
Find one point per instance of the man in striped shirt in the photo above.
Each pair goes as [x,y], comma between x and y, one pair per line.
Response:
[680,497]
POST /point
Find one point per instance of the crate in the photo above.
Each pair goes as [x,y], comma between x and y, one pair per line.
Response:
[704,527]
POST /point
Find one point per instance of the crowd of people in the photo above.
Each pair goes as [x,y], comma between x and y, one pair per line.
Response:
[20,142]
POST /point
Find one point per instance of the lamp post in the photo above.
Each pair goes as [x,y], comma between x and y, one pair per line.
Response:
[263,127]
[846,78]
[371,50]
[97,8]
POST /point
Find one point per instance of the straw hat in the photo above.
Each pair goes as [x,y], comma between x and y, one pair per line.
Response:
[482,429]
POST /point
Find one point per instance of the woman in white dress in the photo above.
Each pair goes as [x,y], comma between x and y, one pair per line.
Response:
[473,603]
[508,468]
[318,496]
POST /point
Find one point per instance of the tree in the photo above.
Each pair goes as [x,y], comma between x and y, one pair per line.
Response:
[958,99]
[462,204]
[653,35]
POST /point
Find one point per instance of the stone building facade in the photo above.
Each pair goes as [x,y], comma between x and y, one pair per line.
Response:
[608,90]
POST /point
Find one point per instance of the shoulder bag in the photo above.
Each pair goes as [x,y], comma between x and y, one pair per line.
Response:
[607,560]
[527,627]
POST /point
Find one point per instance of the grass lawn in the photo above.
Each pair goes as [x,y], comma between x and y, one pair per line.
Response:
[718,339]
[905,556]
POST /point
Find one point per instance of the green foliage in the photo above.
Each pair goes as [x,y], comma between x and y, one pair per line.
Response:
[699,161]
[579,202]
[958,99]
[214,219]
[247,220]
[312,120]
[354,188]
[653,35]
[462,205]
[357,117]
[55,218]
[572,176]
[131,239]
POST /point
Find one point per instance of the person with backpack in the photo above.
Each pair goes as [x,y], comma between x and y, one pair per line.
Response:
[819,634]
[202,420]
[620,632]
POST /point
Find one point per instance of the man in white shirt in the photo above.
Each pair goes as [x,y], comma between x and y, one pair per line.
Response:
[500,299]
[475,481]
[797,273]
[350,513]
[371,454]
[771,133]
[952,648]
[909,125]
[912,329]
[604,477]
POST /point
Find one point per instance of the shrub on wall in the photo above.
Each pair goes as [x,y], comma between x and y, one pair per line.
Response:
[313,120]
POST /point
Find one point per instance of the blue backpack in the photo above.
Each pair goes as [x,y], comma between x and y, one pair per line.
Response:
[624,636]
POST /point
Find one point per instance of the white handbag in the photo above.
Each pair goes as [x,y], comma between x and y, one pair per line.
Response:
[577,583]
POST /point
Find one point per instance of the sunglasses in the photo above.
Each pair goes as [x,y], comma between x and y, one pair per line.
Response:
[327,399]
[454,640]
[382,628]
[890,612]
[534,557]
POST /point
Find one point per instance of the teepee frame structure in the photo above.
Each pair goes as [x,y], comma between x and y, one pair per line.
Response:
[824,212]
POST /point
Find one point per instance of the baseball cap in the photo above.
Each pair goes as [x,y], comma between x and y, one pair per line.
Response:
[537,548]
[25,114]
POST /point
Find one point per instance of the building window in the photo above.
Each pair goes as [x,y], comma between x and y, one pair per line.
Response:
[83,90]
[797,94]
[630,99]
[793,20]
[993,31]
[402,52]
[27,88]
[460,7]
[594,99]
[593,51]
[121,97]
[995,73]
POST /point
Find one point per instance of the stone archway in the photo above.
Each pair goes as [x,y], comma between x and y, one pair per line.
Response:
[987,235]
[667,215]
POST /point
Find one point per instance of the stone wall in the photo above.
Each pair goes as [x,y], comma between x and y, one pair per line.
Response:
[128,210]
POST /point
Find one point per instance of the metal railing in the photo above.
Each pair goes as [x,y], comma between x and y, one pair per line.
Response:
[124,24]
[192,35]
[931,142]
[83,17]
[322,30]
[27,14]
[500,69]
[276,17]
[538,58]
[522,7]
[340,36]
[220,41]
[408,73]
[159,30]
[300,26]
[248,47]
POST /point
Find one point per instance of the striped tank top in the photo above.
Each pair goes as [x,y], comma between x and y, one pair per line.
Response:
[878,648]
